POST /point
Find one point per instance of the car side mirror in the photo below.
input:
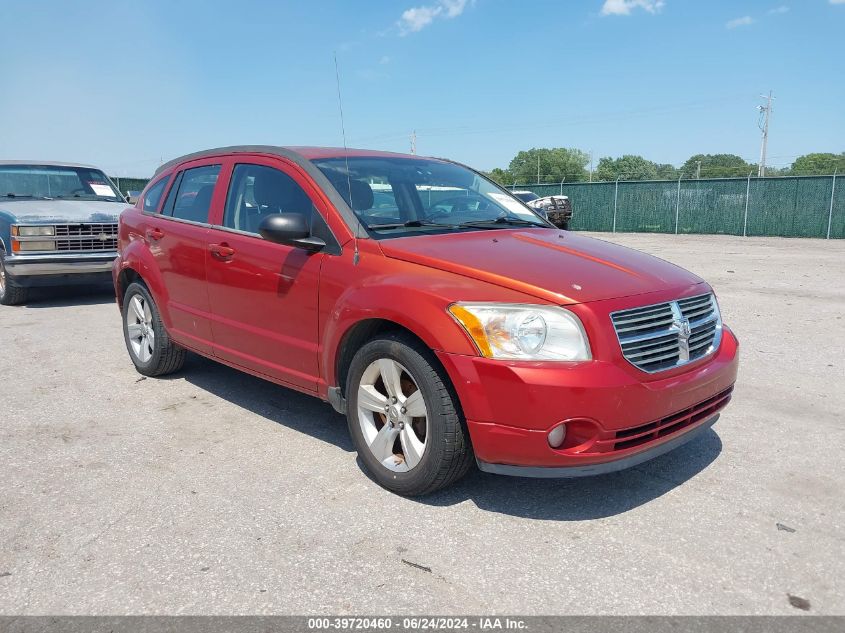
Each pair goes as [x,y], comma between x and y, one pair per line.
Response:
[290,229]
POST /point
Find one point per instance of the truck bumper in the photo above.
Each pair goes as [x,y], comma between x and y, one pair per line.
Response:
[60,268]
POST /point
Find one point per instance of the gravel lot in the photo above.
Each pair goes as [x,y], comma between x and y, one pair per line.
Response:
[215,492]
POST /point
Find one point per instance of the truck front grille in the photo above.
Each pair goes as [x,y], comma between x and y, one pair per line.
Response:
[666,335]
[86,237]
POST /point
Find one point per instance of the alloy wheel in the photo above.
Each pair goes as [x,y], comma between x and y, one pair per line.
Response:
[139,328]
[392,415]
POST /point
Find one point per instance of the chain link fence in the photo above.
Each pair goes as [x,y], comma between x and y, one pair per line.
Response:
[803,206]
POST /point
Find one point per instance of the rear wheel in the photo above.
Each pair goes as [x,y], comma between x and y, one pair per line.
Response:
[10,294]
[404,417]
[149,345]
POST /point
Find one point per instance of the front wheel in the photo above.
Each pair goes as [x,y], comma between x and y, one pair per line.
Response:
[149,345]
[404,417]
[10,294]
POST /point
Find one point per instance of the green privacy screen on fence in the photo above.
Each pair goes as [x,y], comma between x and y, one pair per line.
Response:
[788,207]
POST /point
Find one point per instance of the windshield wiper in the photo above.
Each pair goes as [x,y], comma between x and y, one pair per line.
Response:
[410,224]
[26,195]
[498,222]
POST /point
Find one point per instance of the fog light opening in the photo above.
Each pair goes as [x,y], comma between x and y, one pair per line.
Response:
[557,435]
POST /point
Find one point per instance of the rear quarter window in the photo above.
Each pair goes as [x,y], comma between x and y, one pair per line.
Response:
[153,196]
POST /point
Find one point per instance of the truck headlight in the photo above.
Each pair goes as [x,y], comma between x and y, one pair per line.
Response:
[37,245]
[523,332]
[36,231]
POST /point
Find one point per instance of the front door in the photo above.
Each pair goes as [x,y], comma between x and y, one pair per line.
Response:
[264,295]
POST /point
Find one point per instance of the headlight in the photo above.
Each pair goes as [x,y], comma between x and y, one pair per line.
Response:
[523,332]
[36,231]
[37,245]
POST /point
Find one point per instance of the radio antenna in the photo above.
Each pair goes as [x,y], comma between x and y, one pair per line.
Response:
[356,255]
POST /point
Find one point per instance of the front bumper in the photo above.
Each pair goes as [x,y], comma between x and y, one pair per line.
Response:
[616,416]
[59,263]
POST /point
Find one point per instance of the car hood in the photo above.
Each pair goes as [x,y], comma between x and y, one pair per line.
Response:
[560,267]
[62,211]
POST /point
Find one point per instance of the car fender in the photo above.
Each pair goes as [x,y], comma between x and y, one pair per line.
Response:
[412,296]
[136,255]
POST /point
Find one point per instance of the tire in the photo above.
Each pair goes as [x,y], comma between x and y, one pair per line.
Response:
[446,455]
[152,356]
[565,225]
[10,294]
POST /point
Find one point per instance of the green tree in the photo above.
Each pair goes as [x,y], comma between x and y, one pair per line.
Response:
[818,164]
[717,166]
[501,176]
[555,165]
[628,167]
[666,171]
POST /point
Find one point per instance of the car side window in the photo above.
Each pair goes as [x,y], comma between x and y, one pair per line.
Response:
[153,195]
[193,192]
[257,191]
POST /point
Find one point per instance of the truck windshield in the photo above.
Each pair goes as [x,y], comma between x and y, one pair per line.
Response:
[402,196]
[50,182]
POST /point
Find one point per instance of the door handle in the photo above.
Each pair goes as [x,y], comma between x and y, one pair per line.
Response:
[223,251]
[155,234]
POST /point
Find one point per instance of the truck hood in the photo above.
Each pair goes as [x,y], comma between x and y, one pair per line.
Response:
[559,267]
[61,211]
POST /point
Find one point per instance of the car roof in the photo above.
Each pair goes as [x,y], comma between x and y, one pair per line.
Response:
[46,163]
[296,153]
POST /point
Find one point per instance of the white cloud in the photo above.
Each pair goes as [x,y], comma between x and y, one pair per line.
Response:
[417,18]
[837,1]
[780,10]
[624,7]
[743,21]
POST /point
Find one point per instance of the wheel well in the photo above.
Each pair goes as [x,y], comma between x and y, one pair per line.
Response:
[126,277]
[358,335]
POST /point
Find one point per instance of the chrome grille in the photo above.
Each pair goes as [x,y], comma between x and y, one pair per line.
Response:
[86,237]
[666,335]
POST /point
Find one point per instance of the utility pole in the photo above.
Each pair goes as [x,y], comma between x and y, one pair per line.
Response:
[414,142]
[763,124]
[698,170]
[591,165]
[538,168]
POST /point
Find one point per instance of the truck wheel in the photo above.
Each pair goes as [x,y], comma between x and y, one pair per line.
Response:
[148,343]
[10,294]
[404,417]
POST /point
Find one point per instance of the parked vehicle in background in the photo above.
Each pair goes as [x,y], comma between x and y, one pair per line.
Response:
[556,209]
[445,319]
[58,226]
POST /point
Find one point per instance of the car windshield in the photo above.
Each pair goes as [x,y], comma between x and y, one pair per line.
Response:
[50,182]
[404,196]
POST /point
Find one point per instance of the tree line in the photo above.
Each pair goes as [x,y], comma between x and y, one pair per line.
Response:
[561,164]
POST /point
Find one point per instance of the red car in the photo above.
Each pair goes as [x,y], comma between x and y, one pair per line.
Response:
[446,333]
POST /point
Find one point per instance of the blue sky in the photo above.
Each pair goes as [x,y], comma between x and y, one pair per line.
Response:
[127,84]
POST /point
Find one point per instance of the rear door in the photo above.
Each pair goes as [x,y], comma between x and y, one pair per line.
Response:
[178,239]
[264,295]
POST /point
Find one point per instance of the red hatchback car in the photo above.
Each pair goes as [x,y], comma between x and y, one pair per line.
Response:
[442,316]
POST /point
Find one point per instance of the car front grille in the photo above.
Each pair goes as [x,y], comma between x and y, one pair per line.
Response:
[666,335]
[86,237]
